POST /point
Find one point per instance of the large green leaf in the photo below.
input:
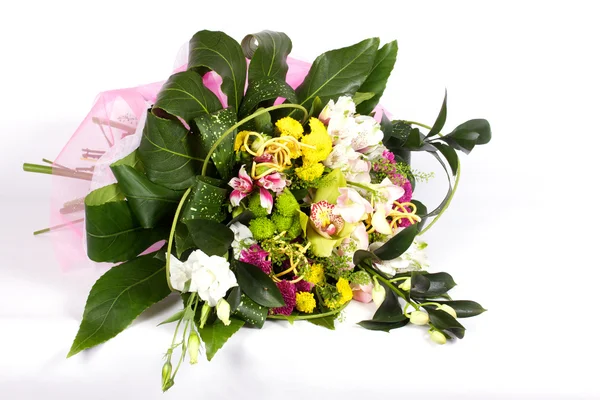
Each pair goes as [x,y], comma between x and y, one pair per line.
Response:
[338,72]
[469,134]
[184,95]
[268,52]
[205,201]
[118,297]
[439,284]
[258,286]
[378,77]
[440,120]
[211,237]
[222,54]
[166,153]
[390,310]
[326,322]
[444,321]
[398,244]
[383,326]
[251,312]
[113,233]
[216,334]
[449,154]
[212,127]
[151,203]
[266,88]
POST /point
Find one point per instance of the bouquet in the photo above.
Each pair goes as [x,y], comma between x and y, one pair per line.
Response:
[257,187]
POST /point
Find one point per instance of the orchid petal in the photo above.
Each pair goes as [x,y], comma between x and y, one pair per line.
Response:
[380,222]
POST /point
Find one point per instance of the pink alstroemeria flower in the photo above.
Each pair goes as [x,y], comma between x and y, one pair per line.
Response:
[242,186]
[272,182]
[362,293]
[351,206]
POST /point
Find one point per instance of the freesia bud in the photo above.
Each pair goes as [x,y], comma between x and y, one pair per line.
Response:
[419,318]
[204,314]
[378,293]
[448,309]
[193,347]
[406,285]
[223,311]
[438,337]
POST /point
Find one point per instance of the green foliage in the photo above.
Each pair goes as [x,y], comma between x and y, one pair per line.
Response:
[377,79]
[286,204]
[282,223]
[216,334]
[254,205]
[212,127]
[258,286]
[118,297]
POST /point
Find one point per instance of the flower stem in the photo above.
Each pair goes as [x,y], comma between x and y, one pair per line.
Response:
[55,227]
[45,169]
[449,199]
[242,122]
[418,124]
[172,234]
[308,316]
[362,186]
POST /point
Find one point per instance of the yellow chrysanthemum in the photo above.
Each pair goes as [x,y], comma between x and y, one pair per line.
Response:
[310,172]
[294,148]
[305,302]
[319,140]
[343,287]
[316,274]
[239,140]
[288,126]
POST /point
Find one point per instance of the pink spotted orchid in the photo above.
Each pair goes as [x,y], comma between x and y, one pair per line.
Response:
[325,222]
[242,186]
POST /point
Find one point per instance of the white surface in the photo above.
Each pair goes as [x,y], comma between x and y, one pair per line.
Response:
[519,237]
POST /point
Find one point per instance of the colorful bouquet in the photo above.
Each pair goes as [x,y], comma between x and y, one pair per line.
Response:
[269,199]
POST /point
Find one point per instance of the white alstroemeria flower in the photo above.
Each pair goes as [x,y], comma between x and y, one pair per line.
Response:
[413,259]
[211,276]
[368,133]
[372,153]
[351,206]
[344,106]
[340,156]
[358,171]
[242,238]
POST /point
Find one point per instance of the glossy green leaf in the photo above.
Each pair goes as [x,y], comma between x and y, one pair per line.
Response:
[439,284]
[151,203]
[205,202]
[113,233]
[315,107]
[364,255]
[446,322]
[465,308]
[263,89]
[185,96]
[211,237]
[440,120]
[398,244]
[234,298]
[219,52]
[378,77]
[183,239]
[439,208]
[421,212]
[212,127]
[326,322]
[338,72]
[118,297]
[268,52]
[167,155]
[419,282]
[251,312]
[258,286]
[390,310]
[216,334]
[383,326]
[481,127]
[449,154]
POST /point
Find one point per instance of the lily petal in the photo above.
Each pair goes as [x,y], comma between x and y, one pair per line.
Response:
[236,196]
[266,199]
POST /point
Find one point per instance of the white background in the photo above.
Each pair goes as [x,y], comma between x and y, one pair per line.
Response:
[520,236]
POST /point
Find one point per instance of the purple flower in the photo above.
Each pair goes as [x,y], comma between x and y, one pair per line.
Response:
[288,291]
[255,255]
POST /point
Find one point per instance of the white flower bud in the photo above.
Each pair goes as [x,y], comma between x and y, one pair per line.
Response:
[406,285]
[167,382]
[223,311]
[204,313]
[448,309]
[438,337]
[378,293]
[193,347]
[419,318]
